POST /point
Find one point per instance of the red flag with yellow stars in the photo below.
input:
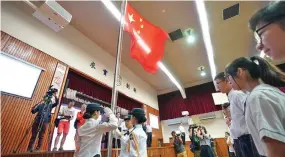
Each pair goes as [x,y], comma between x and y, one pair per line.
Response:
[147,40]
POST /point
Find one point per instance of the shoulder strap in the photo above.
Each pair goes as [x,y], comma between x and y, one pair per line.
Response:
[136,144]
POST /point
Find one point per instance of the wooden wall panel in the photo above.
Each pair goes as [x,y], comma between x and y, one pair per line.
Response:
[16,115]
[156,133]
[221,147]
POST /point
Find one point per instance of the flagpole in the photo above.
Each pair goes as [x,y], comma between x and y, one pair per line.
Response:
[117,71]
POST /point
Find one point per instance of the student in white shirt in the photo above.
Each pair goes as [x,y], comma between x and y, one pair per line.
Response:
[265,106]
[123,126]
[116,139]
[149,135]
[230,142]
[229,139]
[90,133]
[205,142]
[67,113]
[268,26]
[124,136]
[238,129]
[137,140]
[182,130]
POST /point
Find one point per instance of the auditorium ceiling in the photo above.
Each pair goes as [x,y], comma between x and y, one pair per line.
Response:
[230,38]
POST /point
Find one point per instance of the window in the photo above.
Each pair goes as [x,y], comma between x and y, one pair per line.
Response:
[153,120]
[17,77]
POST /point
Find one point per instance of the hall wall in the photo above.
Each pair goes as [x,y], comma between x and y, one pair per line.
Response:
[216,127]
[16,116]
[73,48]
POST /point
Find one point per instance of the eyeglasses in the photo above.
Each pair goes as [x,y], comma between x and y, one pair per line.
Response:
[257,34]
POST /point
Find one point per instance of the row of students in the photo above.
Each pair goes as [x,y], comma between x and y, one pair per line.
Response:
[257,106]
[133,141]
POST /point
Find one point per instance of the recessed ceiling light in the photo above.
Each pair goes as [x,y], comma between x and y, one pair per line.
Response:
[189,35]
[202,70]
[191,39]
[163,10]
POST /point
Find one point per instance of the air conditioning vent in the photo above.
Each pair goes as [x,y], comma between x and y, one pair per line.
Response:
[207,116]
[176,121]
[231,11]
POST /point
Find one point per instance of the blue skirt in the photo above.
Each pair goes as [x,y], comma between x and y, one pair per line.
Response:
[206,151]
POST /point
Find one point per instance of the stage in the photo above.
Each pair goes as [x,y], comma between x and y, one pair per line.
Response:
[167,151]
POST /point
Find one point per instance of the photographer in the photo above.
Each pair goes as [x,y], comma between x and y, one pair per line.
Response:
[205,142]
[195,141]
[42,119]
[178,145]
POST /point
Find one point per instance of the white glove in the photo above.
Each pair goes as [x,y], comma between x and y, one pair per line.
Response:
[108,111]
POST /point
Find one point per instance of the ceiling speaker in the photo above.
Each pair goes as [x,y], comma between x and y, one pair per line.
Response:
[231,11]
[175,35]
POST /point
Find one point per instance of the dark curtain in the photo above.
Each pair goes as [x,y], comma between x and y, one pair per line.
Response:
[199,100]
[96,90]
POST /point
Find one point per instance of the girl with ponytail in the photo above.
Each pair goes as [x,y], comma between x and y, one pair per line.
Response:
[137,138]
[265,105]
[91,132]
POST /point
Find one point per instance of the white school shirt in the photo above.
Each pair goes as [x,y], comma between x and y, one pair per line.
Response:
[265,115]
[124,142]
[120,121]
[115,135]
[141,139]
[67,112]
[90,135]
[181,129]
[123,126]
[148,128]
[231,148]
[238,126]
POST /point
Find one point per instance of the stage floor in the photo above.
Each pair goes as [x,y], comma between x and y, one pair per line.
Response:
[42,154]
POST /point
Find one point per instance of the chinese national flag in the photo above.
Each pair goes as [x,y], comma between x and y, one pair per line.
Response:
[147,40]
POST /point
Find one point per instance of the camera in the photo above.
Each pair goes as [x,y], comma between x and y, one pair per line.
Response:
[51,91]
[49,94]
[194,126]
